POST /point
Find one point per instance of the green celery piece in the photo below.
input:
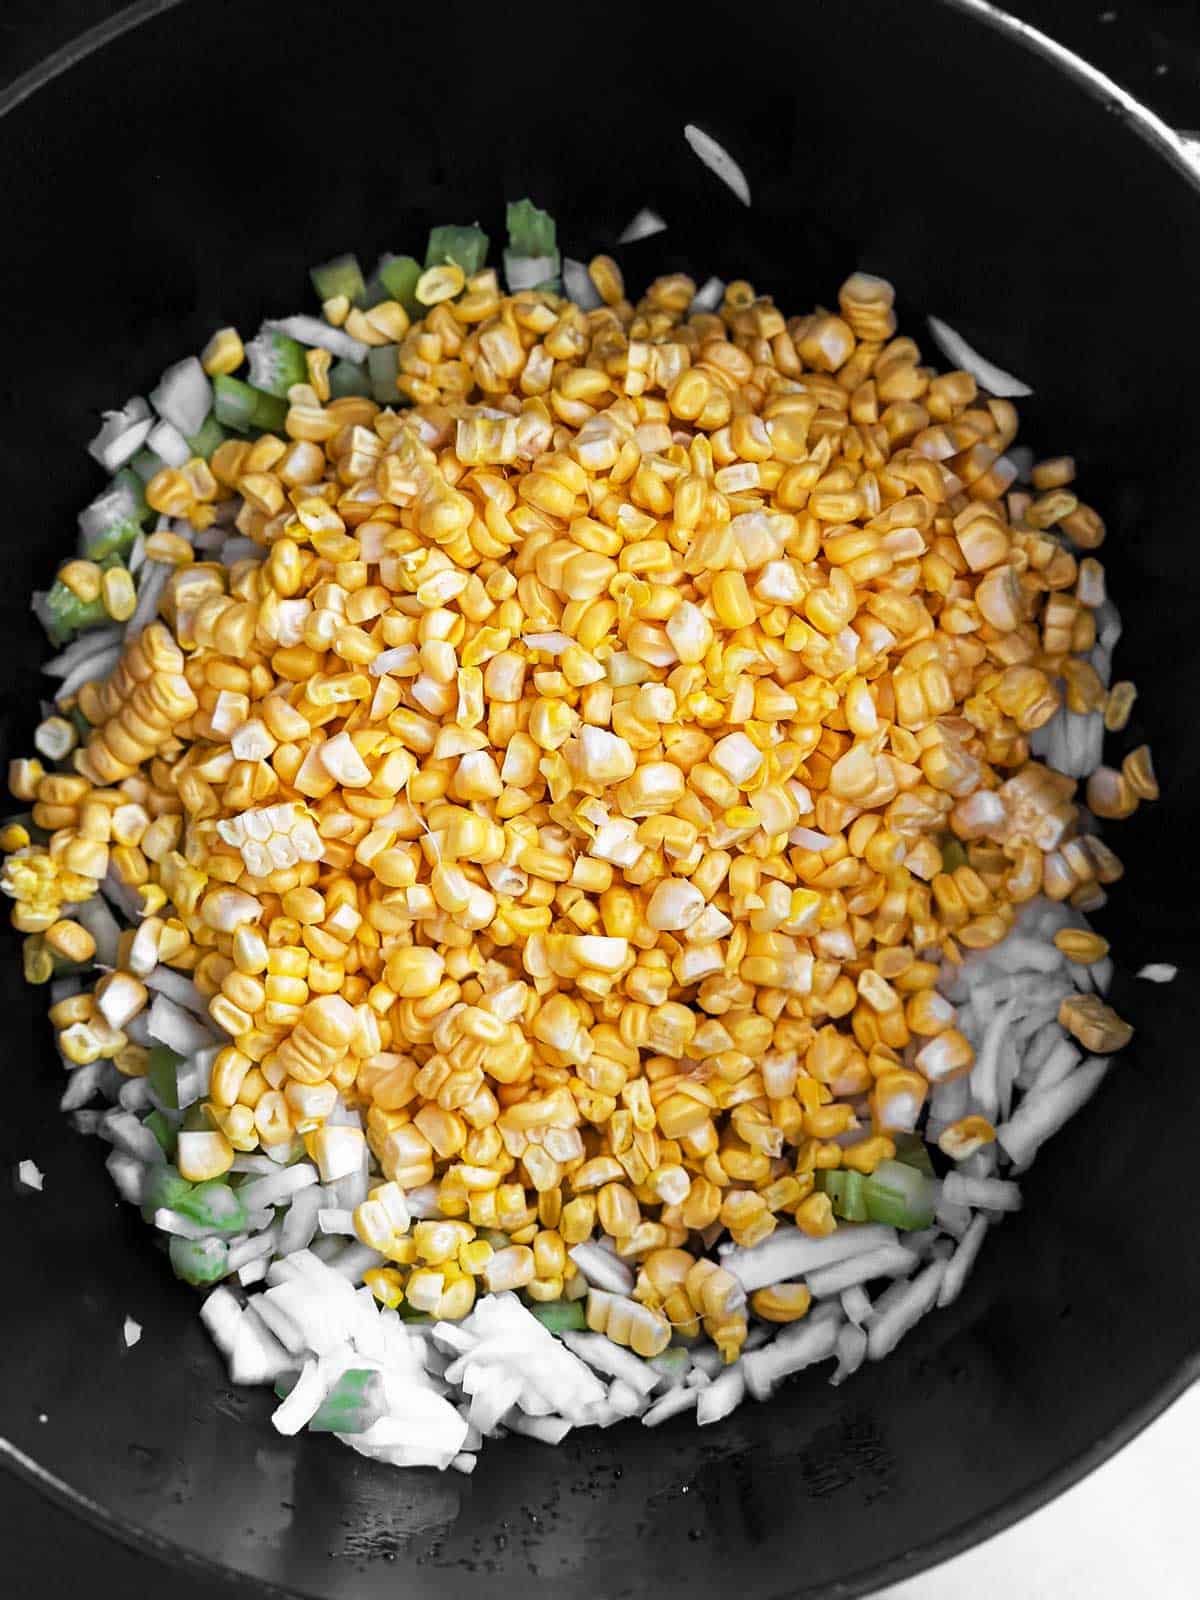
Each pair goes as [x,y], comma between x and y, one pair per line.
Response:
[196,1120]
[347,377]
[912,1150]
[406,1314]
[213,1204]
[341,276]
[199,1261]
[383,364]
[674,1363]
[398,275]
[560,1316]
[80,723]
[117,539]
[209,436]
[464,245]
[845,1191]
[356,1401]
[954,854]
[130,481]
[276,363]
[114,518]
[373,293]
[531,231]
[164,1188]
[69,614]
[146,463]
[245,409]
[899,1196]
[163,1132]
[163,1075]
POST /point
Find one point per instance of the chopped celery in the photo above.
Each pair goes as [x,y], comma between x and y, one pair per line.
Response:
[80,723]
[146,464]
[674,1363]
[954,854]
[276,362]
[196,1120]
[163,1187]
[114,518]
[162,1131]
[207,437]
[341,276]
[213,1204]
[398,275]
[199,1261]
[67,614]
[383,364]
[845,1191]
[407,1314]
[372,293]
[239,406]
[912,1150]
[899,1196]
[355,1402]
[465,246]
[531,231]
[163,1076]
[560,1316]
[347,377]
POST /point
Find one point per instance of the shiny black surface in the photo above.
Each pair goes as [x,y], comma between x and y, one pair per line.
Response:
[1039,222]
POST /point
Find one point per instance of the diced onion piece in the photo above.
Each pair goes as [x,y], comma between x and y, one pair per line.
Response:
[644,225]
[313,332]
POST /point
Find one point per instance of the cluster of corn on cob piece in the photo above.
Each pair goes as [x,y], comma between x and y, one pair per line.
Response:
[589,777]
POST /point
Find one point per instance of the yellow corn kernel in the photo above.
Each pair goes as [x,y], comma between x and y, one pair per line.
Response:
[223,354]
[782,1302]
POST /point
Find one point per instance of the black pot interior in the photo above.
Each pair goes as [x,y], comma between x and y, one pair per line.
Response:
[185,176]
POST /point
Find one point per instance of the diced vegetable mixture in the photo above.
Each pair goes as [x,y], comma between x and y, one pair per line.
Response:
[557,852]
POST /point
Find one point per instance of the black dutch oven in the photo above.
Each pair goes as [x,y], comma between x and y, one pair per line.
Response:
[178,169]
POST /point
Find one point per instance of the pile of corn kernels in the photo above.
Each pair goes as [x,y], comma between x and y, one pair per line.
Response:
[591,775]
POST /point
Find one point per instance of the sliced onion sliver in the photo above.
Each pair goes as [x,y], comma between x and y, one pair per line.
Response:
[992,378]
[718,160]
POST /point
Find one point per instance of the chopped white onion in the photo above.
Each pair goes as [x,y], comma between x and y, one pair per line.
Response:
[578,285]
[183,398]
[313,332]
